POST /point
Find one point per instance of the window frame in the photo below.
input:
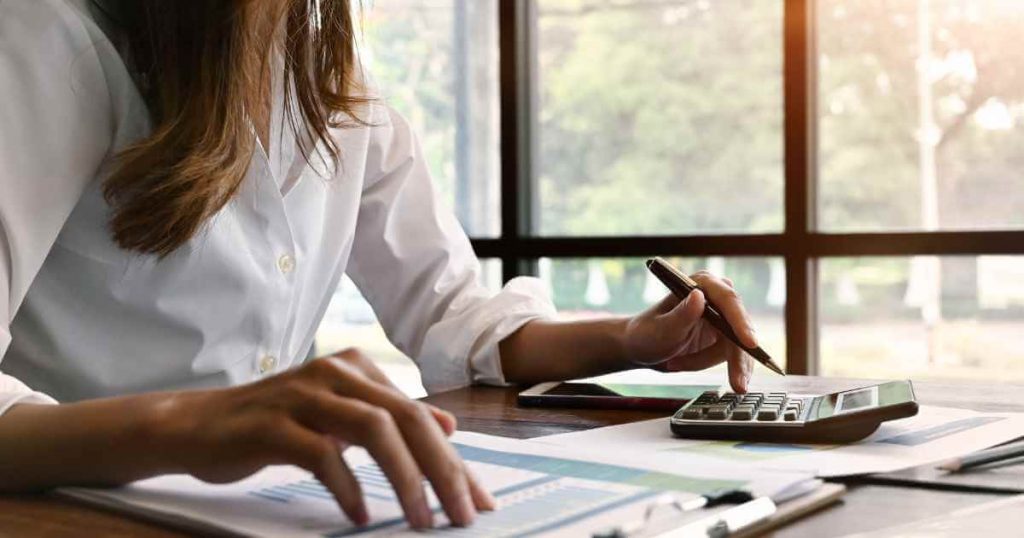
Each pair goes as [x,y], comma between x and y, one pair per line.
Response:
[800,244]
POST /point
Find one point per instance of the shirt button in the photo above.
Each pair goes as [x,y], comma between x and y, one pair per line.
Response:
[267,363]
[286,263]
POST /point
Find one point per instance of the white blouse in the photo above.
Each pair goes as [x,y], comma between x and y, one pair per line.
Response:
[80,318]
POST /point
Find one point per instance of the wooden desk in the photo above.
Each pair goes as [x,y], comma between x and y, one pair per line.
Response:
[493,411]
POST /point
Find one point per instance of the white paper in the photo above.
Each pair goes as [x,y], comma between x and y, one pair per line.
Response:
[541,490]
[934,434]
[996,518]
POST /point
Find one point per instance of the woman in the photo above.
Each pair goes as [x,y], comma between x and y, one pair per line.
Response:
[183,184]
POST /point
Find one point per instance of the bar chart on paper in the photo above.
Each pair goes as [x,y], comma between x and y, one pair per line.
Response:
[540,490]
[532,507]
[544,495]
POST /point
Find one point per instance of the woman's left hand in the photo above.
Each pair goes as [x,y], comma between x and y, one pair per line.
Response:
[673,336]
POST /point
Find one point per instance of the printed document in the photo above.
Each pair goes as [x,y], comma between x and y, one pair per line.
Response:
[934,434]
[541,490]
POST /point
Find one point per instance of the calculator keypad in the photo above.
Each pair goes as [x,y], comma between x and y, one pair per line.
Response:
[750,407]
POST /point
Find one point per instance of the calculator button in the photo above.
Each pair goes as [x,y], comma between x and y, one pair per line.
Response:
[790,415]
[768,414]
[717,412]
[777,394]
[708,397]
[693,412]
[743,412]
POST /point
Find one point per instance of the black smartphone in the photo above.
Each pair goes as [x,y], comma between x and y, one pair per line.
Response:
[650,397]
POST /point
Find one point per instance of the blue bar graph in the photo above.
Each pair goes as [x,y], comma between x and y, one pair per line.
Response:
[374,483]
[562,493]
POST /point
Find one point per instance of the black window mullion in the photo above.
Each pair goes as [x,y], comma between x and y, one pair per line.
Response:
[517,54]
[799,92]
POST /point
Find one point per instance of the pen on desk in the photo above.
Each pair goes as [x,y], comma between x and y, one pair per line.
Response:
[983,457]
[681,285]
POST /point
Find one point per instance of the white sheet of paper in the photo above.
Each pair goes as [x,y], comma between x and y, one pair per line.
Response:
[996,518]
[934,434]
[541,490]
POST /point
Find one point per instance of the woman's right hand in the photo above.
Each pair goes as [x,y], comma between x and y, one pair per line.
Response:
[306,417]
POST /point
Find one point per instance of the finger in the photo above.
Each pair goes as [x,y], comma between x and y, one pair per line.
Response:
[680,328]
[687,312]
[319,455]
[367,367]
[481,497]
[741,367]
[714,355]
[446,420]
[666,304]
[389,449]
[728,282]
[729,305]
[437,458]
[372,427]
[434,455]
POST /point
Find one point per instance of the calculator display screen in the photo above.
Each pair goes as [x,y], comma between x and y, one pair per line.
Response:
[858,399]
[862,399]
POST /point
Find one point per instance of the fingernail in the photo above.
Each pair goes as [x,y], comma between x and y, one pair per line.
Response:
[752,337]
[464,511]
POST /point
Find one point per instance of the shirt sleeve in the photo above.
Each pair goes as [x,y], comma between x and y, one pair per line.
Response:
[55,131]
[416,267]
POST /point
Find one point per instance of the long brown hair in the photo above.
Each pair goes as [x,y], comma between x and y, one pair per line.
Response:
[203,68]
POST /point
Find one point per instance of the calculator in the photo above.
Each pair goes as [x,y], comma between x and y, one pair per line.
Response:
[841,417]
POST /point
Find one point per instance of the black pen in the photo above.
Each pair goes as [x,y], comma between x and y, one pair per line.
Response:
[681,285]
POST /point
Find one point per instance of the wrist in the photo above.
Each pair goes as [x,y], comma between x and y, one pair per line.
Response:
[163,430]
[619,331]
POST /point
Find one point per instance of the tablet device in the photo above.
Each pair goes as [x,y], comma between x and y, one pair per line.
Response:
[650,397]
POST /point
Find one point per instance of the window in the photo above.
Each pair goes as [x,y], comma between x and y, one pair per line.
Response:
[651,113]
[954,317]
[921,115]
[853,165]
[436,62]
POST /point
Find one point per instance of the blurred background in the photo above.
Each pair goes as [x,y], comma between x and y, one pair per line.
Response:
[666,118]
